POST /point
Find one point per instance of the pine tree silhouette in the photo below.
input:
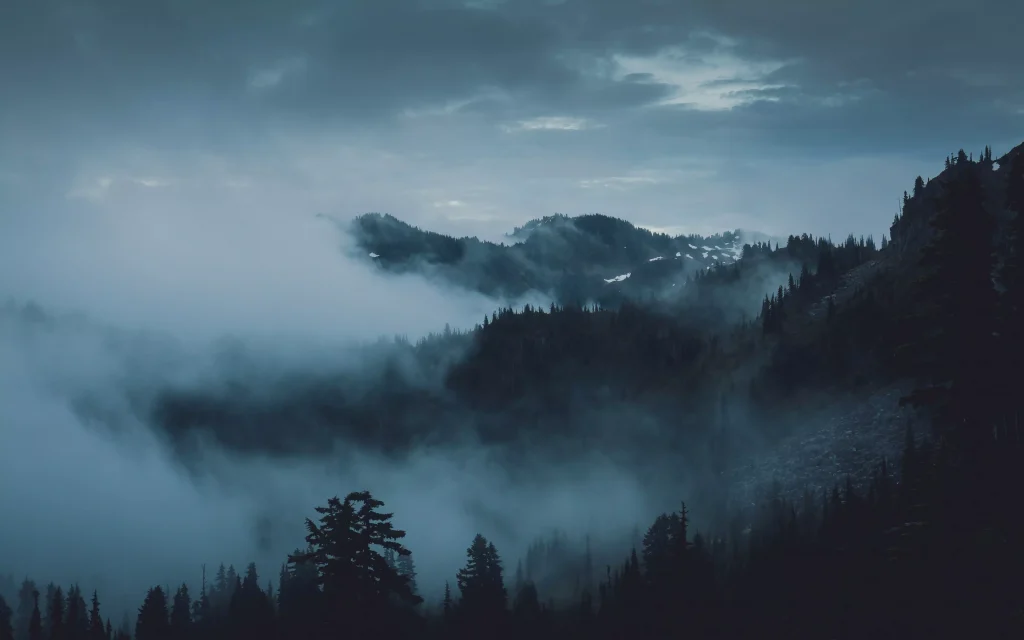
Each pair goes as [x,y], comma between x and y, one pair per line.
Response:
[153,621]
[481,582]
[354,576]
[35,624]
[6,620]
[56,629]
[96,629]
[181,613]
[27,597]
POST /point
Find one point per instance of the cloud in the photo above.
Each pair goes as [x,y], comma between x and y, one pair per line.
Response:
[618,182]
[269,77]
[376,59]
[207,263]
[551,123]
[444,83]
[710,82]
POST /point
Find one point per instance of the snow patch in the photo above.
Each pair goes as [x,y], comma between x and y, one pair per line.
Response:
[374,255]
[689,256]
[678,255]
[658,258]
[693,246]
[995,166]
[618,278]
[705,254]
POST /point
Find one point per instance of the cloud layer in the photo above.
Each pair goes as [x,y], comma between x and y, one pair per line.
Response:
[445,101]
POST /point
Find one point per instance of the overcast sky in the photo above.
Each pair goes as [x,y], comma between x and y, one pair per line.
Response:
[474,116]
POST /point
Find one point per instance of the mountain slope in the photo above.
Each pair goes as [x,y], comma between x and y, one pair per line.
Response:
[586,258]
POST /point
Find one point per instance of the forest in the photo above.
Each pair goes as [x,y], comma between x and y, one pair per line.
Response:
[928,546]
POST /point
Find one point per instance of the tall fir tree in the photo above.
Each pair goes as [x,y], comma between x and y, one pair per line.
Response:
[56,616]
[96,629]
[6,620]
[153,621]
[27,602]
[354,576]
[181,613]
[35,623]
[77,621]
[481,581]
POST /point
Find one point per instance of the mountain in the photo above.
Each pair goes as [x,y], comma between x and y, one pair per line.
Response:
[591,258]
[768,335]
[853,451]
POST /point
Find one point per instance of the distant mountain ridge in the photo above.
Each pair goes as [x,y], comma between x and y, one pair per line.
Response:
[584,258]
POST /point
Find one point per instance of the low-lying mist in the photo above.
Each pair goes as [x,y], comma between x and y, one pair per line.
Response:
[92,492]
[99,497]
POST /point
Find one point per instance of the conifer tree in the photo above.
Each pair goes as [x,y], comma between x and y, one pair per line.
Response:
[47,599]
[55,628]
[220,580]
[181,613]
[353,574]
[480,581]
[96,630]
[6,620]
[27,602]
[154,619]
[77,622]
[232,581]
[35,623]
[407,567]
[446,604]
[526,605]
[201,605]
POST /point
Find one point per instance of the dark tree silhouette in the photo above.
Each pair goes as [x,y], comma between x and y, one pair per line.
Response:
[35,623]
[154,619]
[6,620]
[346,548]
[56,629]
[96,628]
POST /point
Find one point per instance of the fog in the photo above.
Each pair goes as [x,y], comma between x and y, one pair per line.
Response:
[98,497]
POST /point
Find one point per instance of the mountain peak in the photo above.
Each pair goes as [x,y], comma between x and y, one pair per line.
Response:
[569,258]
